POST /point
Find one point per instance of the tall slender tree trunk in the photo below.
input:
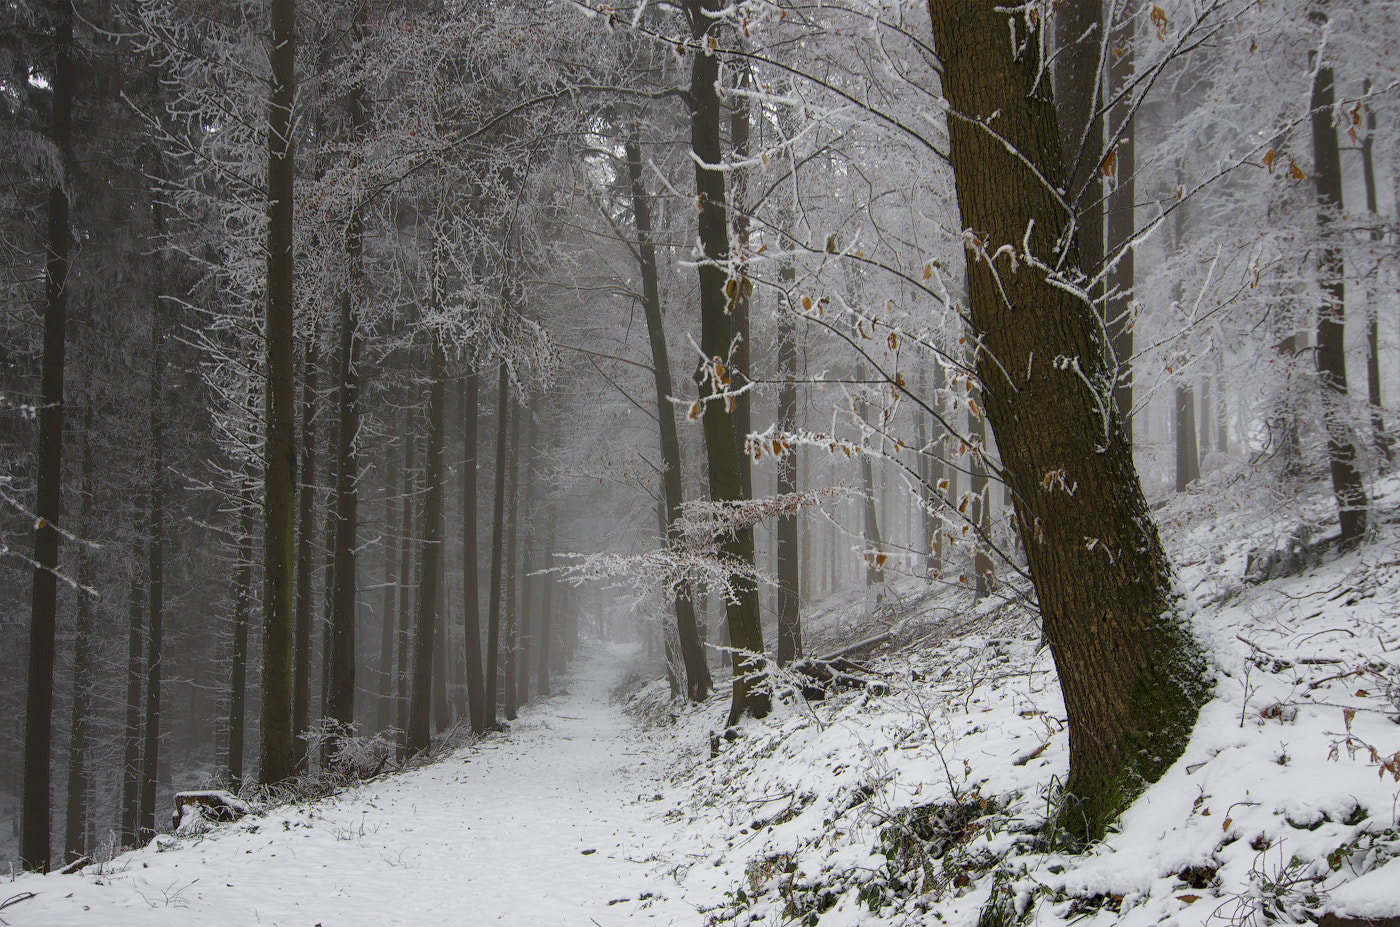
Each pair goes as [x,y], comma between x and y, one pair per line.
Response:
[305,564]
[547,622]
[406,521]
[155,552]
[1203,420]
[527,562]
[429,557]
[340,703]
[1347,482]
[697,669]
[1188,468]
[238,668]
[74,844]
[1132,675]
[276,756]
[1382,439]
[726,463]
[510,626]
[471,593]
[789,566]
[493,608]
[387,618]
[131,740]
[35,847]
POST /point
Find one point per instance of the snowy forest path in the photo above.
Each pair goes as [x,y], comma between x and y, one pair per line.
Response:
[549,824]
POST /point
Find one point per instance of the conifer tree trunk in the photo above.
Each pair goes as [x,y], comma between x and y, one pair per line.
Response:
[131,739]
[547,623]
[471,594]
[697,669]
[1187,459]
[305,565]
[1382,439]
[1347,484]
[1132,675]
[493,608]
[429,557]
[406,522]
[155,552]
[276,759]
[74,844]
[35,846]
[387,618]
[340,703]
[527,563]
[238,669]
[789,567]
[510,628]
[726,464]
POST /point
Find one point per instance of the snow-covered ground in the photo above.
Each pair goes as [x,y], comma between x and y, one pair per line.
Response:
[922,803]
[551,824]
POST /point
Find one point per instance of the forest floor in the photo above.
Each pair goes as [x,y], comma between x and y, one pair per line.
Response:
[549,824]
[923,800]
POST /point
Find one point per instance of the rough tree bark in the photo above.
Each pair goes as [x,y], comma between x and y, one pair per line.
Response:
[1132,674]
[35,847]
[750,690]
[276,759]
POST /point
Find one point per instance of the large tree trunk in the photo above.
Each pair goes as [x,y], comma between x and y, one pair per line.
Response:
[697,669]
[726,463]
[1347,482]
[471,598]
[74,845]
[35,848]
[1133,676]
[276,756]
[1079,40]
[429,558]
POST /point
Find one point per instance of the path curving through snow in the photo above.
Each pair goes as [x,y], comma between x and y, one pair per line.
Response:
[548,825]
